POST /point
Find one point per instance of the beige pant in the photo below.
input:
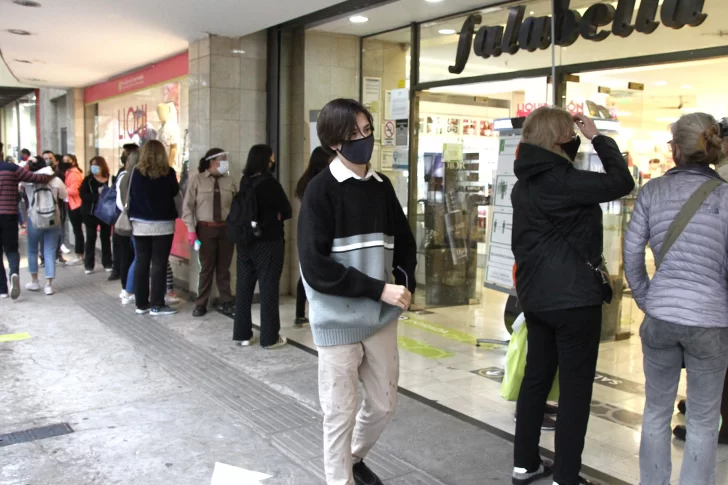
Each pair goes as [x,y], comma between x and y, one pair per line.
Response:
[349,436]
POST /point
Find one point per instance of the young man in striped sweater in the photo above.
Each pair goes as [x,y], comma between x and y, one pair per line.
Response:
[10,176]
[358,259]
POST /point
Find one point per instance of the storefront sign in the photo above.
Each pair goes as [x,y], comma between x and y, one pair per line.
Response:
[535,32]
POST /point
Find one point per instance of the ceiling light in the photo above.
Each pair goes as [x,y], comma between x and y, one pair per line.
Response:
[686,86]
[433,1]
[18,32]
[660,83]
[26,3]
[358,19]
[531,12]
[447,31]
[238,51]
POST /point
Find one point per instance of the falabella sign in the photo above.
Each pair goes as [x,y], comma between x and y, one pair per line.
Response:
[535,32]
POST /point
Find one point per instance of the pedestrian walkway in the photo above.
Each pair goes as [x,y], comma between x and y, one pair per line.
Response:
[161,400]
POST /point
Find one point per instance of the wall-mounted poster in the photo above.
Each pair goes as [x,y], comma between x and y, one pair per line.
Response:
[486,128]
[453,126]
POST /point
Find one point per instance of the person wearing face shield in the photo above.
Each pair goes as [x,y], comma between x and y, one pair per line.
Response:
[358,259]
[557,244]
[206,206]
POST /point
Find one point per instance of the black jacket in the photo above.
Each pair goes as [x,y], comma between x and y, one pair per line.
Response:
[552,274]
[273,206]
[89,192]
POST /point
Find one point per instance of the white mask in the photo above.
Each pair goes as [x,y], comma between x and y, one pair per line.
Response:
[224,167]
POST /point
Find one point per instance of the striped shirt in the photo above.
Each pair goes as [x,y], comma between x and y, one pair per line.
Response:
[10,176]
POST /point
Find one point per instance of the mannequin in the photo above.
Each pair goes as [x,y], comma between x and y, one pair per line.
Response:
[168,132]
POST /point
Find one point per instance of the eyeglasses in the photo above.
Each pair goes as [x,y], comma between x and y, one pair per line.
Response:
[670,145]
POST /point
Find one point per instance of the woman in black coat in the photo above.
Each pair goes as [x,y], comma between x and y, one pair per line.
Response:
[91,189]
[557,239]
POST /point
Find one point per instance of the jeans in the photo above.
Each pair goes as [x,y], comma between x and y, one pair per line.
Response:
[125,256]
[151,251]
[77,224]
[9,246]
[132,266]
[705,352]
[50,238]
[92,225]
[567,339]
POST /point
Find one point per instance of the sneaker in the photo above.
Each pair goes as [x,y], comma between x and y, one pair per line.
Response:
[300,322]
[142,311]
[199,311]
[171,299]
[521,476]
[14,286]
[61,260]
[3,296]
[75,261]
[682,406]
[248,343]
[127,298]
[363,475]
[64,249]
[48,290]
[228,308]
[89,271]
[163,310]
[122,294]
[114,276]
[32,286]
[282,341]
[41,263]
[109,270]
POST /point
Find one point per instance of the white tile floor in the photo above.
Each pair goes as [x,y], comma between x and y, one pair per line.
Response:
[611,447]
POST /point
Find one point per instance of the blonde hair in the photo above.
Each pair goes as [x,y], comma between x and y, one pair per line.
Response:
[697,135]
[153,161]
[545,126]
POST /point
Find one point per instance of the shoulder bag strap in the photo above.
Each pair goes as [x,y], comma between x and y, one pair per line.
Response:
[685,216]
[128,189]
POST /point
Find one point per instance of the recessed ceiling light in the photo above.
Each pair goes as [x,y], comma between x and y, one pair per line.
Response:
[447,31]
[433,1]
[531,12]
[19,32]
[686,86]
[26,3]
[660,83]
[238,51]
[358,19]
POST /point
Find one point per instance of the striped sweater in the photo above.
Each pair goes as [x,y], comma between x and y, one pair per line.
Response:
[10,176]
[353,238]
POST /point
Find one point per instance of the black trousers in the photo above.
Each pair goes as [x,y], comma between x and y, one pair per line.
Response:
[261,263]
[125,256]
[8,247]
[152,253]
[77,223]
[104,232]
[567,339]
[115,252]
[300,299]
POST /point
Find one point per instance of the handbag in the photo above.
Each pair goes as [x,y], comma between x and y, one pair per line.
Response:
[106,210]
[685,215]
[123,224]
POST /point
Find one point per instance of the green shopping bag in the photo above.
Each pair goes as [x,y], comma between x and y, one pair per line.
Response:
[516,364]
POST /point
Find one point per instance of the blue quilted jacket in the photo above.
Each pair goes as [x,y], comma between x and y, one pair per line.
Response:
[690,288]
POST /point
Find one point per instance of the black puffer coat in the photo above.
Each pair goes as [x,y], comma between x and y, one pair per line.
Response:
[550,274]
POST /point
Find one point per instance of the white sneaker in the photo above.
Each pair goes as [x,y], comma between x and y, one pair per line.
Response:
[129,299]
[75,262]
[122,294]
[282,341]
[32,286]
[14,286]
[64,249]
[142,311]
[108,270]
[89,271]
[248,343]
[3,296]
[48,290]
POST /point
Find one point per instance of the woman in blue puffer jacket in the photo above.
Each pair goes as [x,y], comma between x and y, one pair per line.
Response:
[686,303]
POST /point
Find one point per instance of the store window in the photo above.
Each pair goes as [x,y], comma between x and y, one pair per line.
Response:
[385,92]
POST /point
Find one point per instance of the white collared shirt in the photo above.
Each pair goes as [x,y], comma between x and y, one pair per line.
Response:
[342,173]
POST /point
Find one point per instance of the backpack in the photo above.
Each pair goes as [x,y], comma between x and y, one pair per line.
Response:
[43,210]
[243,218]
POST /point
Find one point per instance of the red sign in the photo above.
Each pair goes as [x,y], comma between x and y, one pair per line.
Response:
[525,109]
[147,76]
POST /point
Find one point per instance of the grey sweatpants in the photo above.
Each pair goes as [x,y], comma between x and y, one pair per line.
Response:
[705,352]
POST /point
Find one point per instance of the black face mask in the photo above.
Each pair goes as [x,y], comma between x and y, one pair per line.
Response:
[123,160]
[358,151]
[571,148]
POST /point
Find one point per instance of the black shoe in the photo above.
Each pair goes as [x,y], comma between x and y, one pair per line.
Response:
[114,276]
[544,470]
[228,308]
[199,311]
[163,310]
[548,423]
[682,406]
[551,410]
[680,432]
[300,322]
[364,476]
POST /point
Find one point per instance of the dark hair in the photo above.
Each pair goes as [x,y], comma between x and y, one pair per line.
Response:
[74,160]
[319,160]
[207,159]
[258,160]
[129,147]
[25,151]
[337,121]
[37,164]
[101,162]
[48,151]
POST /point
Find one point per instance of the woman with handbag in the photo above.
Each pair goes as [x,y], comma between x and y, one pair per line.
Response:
[682,215]
[91,189]
[122,229]
[152,212]
[74,181]
[557,244]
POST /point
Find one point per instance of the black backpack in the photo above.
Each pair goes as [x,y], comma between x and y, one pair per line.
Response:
[243,218]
